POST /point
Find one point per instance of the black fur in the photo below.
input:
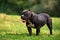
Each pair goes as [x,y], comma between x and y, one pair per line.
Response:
[38,20]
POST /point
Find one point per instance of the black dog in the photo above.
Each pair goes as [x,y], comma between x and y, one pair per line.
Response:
[37,19]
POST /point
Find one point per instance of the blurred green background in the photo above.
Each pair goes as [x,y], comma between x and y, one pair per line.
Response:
[52,7]
[12,28]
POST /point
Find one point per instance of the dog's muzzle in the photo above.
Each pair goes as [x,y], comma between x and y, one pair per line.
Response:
[23,18]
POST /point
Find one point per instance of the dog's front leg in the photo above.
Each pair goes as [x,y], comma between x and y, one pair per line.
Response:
[29,30]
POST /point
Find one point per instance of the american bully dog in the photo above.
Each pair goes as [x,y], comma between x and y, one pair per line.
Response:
[36,21]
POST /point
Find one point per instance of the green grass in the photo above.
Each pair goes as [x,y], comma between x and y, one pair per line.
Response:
[11,28]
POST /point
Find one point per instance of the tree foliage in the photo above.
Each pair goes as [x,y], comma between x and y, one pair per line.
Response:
[16,6]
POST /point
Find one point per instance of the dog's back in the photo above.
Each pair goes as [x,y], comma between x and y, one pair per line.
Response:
[44,14]
[43,18]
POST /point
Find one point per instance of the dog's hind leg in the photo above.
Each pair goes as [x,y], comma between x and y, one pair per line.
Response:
[49,24]
[37,30]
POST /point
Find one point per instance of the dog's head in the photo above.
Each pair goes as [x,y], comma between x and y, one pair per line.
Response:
[26,14]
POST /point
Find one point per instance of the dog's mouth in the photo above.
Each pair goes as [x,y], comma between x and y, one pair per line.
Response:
[23,21]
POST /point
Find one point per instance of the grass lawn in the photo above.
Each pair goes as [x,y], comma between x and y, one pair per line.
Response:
[11,28]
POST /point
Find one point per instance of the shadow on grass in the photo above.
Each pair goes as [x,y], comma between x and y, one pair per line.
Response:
[15,36]
[22,34]
[26,36]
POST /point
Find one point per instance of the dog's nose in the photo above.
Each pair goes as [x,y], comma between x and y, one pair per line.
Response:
[22,15]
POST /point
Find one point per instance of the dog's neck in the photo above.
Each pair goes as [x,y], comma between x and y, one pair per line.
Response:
[32,16]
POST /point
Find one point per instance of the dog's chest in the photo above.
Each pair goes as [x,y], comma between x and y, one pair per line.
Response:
[30,24]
